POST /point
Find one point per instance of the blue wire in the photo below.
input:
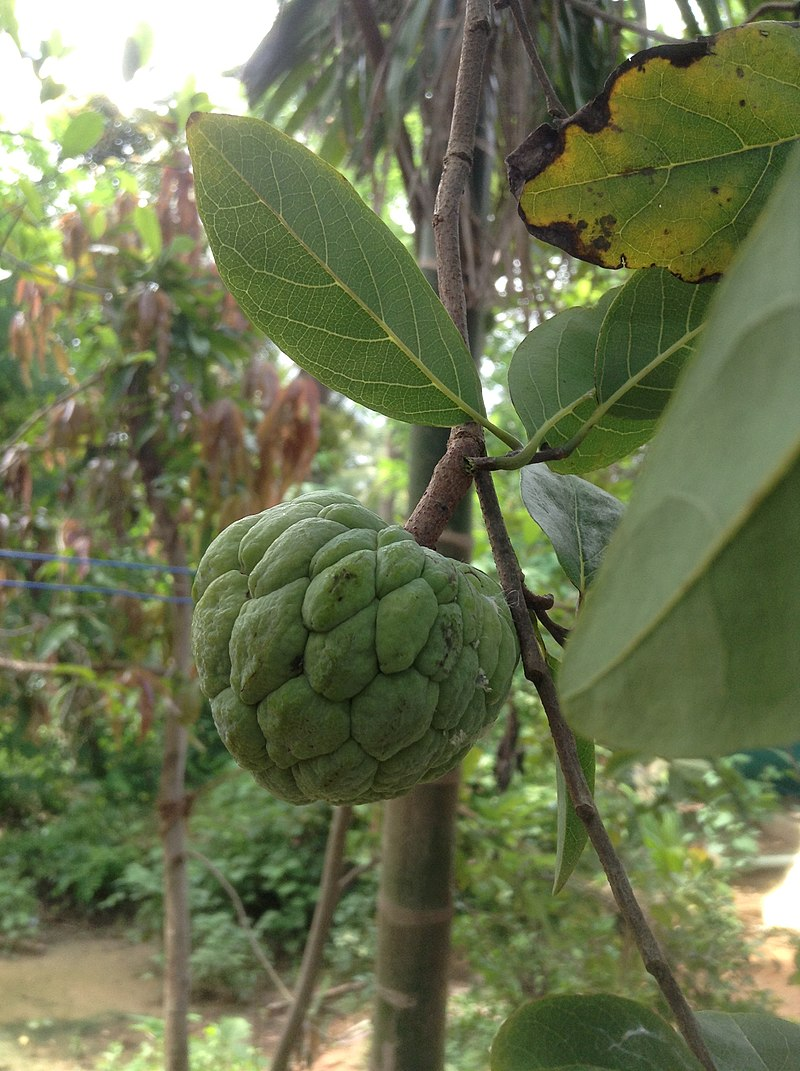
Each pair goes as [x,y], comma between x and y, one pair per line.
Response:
[36,557]
[94,588]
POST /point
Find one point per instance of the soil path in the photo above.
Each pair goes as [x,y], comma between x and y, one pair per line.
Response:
[62,1007]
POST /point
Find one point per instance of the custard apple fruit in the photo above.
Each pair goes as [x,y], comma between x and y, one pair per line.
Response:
[343,661]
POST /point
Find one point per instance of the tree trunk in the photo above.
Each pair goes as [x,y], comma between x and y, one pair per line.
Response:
[173,809]
[415,900]
[415,909]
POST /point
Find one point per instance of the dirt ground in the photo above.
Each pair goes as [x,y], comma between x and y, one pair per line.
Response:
[67,1001]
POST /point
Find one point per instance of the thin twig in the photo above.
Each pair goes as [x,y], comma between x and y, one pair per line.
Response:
[457,163]
[329,892]
[552,100]
[404,149]
[43,410]
[65,669]
[333,993]
[244,922]
[537,671]
[540,604]
[354,873]
[773,5]
[624,24]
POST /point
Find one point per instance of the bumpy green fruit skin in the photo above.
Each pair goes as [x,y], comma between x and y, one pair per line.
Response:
[343,661]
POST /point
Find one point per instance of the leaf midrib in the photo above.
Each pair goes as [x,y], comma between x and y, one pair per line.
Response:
[657,168]
[336,281]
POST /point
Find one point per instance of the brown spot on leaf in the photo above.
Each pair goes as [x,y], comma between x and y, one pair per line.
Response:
[740,72]
[572,240]
[714,190]
[546,143]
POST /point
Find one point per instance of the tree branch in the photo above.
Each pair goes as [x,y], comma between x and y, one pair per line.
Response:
[537,671]
[404,149]
[451,479]
[447,486]
[774,5]
[43,410]
[458,161]
[329,892]
[554,105]
[244,922]
[594,12]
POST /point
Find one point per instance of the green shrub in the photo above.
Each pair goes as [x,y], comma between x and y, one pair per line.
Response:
[19,909]
[271,852]
[76,858]
[225,1044]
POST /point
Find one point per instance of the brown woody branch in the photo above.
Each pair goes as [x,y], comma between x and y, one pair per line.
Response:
[446,214]
[639,28]
[404,149]
[537,671]
[552,100]
[329,893]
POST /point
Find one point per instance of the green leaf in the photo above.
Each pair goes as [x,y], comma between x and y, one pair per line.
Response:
[751,1041]
[687,642]
[671,163]
[572,834]
[552,386]
[8,21]
[148,227]
[82,132]
[319,273]
[577,517]
[649,317]
[583,1032]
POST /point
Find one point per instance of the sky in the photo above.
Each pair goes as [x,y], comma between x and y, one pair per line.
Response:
[201,40]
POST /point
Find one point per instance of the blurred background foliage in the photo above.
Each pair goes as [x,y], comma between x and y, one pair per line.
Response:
[132,385]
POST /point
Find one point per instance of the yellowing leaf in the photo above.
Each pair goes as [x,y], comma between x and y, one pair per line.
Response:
[670,165]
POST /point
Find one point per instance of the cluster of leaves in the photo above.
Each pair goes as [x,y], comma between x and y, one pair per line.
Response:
[652,663]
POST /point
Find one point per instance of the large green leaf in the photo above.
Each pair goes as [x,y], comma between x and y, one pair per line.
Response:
[671,163]
[750,1041]
[588,1032]
[551,381]
[687,643]
[318,272]
[576,516]
[651,322]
